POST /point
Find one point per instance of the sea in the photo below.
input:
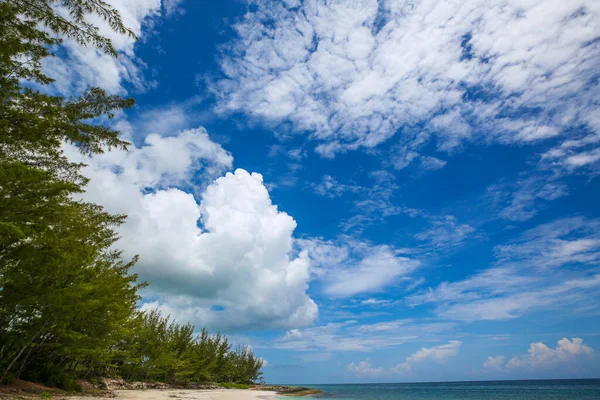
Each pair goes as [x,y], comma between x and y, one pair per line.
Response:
[575,389]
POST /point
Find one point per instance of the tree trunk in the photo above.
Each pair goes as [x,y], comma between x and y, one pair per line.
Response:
[24,363]
[11,364]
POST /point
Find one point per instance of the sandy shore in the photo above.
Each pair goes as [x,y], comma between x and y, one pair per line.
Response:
[225,394]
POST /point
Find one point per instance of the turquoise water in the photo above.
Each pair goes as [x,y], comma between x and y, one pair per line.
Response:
[584,389]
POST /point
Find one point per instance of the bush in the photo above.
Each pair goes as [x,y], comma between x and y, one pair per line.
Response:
[229,385]
[64,381]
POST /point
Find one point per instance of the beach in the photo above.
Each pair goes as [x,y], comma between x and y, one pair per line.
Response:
[183,394]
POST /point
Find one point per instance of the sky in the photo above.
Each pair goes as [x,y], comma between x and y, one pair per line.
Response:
[363,191]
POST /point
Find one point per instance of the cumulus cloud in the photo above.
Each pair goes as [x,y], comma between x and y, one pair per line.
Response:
[349,267]
[223,262]
[569,354]
[494,363]
[541,356]
[437,355]
[351,74]
[364,368]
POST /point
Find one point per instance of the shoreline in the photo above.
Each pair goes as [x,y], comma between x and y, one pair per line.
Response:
[195,394]
[179,394]
[117,388]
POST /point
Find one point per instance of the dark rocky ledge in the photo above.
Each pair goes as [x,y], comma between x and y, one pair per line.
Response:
[295,391]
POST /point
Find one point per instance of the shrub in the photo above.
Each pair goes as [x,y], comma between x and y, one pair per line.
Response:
[64,381]
[229,385]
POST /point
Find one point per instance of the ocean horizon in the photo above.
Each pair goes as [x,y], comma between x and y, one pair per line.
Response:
[542,389]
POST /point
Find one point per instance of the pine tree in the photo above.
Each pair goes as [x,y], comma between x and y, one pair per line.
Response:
[63,291]
[67,298]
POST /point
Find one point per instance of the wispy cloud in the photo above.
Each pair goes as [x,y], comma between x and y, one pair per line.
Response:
[523,199]
[351,74]
[515,286]
[330,187]
[445,231]
[561,242]
[348,267]
[78,67]
[350,336]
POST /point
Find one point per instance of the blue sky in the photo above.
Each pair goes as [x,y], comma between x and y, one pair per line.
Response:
[363,191]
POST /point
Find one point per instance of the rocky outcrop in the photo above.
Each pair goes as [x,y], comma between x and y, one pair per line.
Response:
[289,390]
[203,386]
[120,384]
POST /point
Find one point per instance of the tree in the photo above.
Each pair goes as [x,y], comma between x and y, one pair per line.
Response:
[67,298]
[63,291]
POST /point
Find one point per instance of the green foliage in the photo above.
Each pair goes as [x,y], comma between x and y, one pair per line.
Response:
[159,349]
[228,385]
[67,298]
[63,380]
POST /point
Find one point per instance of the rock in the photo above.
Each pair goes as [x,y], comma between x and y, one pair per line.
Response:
[288,390]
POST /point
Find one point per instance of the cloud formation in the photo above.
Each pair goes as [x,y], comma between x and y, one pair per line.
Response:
[350,336]
[524,198]
[234,270]
[79,67]
[354,74]
[437,355]
[569,354]
[365,369]
[349,267]
[526,276]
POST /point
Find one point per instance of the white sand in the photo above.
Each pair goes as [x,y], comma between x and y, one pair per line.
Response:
[172,394]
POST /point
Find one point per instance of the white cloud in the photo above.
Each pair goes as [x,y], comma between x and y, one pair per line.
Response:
[541,356]
[568,355]
[523,199]
[432,163]
[81,67]
[374,203]
[234,271]
[173,7]
[364,368]
[515,285]
[331,188]
[352,73]
[445,231]
[371,302]
[437,355]
[349,335]
[440,354]
[351,267]
[494,363]
[511,304]
[551,245]
[575,154]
